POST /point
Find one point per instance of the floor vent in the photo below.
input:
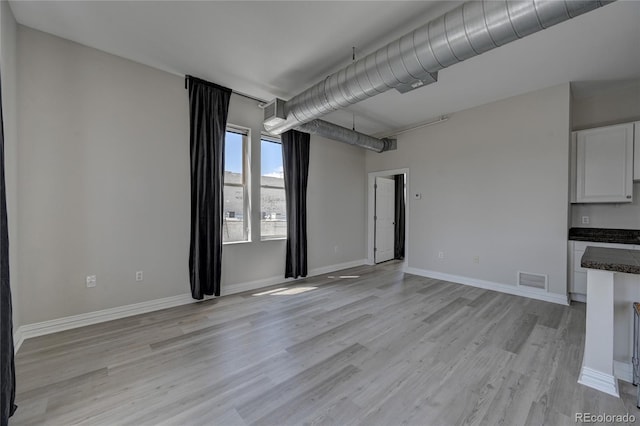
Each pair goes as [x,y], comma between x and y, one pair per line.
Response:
[536,281]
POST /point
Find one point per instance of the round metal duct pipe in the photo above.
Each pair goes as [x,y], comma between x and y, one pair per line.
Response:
[342,134]
[412,60]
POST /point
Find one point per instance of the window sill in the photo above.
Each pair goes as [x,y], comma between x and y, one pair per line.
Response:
[233,243]
[262,240]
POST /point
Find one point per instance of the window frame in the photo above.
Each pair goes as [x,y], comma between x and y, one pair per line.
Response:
[273,139]
[245,132]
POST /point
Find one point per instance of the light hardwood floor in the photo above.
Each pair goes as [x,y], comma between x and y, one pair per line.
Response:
[373,347]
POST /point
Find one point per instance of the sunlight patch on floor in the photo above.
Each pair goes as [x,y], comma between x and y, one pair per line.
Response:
[269,291]
[284,291]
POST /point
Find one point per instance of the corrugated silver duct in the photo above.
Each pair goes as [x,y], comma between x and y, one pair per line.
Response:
[414,59]
[342,134]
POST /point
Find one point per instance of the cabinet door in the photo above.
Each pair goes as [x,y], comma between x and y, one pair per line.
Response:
[604,164]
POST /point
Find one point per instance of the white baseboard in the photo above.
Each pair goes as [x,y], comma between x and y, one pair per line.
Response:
[598,380]
[236,288]
[623,371]
[66,323]
[18,338]
[582,298]
[266,282]
[490,285]
[338,267]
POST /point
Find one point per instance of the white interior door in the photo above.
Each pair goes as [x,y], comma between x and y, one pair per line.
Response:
[384,219]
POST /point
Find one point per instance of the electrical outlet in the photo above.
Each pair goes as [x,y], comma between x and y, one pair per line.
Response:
[440,255]
[476,259]
[139,276]
[585,220]
[91,281]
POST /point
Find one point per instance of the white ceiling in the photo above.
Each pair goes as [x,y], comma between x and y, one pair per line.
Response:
[278,48]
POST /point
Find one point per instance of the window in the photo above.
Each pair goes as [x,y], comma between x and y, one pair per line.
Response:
[273,209]
[235,226]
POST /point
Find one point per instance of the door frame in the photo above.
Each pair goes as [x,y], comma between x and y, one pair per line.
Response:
[384,207]
[371,211]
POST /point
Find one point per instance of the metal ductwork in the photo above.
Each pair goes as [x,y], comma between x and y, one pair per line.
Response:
[414,59]
[342,134]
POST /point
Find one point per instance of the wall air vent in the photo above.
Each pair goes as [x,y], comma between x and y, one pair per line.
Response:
[428,78]
[533,281]
[274,112]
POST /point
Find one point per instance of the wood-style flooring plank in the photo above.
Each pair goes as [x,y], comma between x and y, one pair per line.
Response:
[365,346]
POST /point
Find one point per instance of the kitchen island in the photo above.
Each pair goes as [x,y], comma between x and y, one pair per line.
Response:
[602,265]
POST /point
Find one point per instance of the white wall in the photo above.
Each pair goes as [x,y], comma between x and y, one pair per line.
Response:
[616,216]
[608,107]
[494,184]
[336,203]
[104,185]
[8,67]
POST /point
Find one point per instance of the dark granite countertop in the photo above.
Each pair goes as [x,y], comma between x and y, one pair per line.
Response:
[604,235]
[611,259]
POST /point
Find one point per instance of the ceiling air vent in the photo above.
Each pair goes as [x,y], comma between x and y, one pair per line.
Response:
[536,281]
[274,112]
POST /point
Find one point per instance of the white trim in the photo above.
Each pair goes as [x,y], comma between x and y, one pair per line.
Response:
[245,132]
[18,338]
[582,298]
[66,323]
[240,130]
[600,381]
[490,285]
[623,371]
[236,288]
[270,138]
[332,268]
[371,208]
[75,321]
[266,282]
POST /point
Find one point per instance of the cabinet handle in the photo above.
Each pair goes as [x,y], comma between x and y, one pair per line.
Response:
[628,196]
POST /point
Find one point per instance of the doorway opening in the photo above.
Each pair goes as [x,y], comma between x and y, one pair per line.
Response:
[388,216]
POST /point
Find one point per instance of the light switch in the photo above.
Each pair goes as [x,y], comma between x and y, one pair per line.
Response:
[417,196]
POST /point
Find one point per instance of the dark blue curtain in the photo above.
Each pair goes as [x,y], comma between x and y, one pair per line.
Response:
[7,366]
[208,110]
[398,243]
[295,160]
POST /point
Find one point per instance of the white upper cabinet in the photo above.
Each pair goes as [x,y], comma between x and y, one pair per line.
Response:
[604,164]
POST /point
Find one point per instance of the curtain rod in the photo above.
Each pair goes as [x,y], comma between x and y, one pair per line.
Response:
[253,98]
[188,78]
[244,95]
